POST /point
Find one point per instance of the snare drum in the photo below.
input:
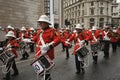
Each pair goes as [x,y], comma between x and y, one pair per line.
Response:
[41,64]
[82,52]
[96,46]
[6,57]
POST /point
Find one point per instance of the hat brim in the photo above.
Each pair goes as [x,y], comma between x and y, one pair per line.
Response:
[78,28]
[40,21]
[10,36]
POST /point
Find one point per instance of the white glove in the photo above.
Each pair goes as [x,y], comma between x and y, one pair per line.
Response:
[43,52]
[45,47]
[82,42]
[67,42]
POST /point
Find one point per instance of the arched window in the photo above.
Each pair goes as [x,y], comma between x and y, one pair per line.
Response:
[92,22]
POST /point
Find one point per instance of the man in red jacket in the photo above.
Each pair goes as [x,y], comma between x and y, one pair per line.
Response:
[22,36]
[46,39]
[114,39]
[118,31]
[94,40]
[79,39]
[11,47]
[67,34]
[106,41]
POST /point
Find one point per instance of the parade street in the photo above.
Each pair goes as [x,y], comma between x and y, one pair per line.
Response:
[65,69]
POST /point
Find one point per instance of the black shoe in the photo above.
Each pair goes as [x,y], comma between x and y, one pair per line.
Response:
[15,74]
[63,50]
[6,78]
[82,70]
[22,59]
[95,62]
[106,57]
[67,58]
[78,72]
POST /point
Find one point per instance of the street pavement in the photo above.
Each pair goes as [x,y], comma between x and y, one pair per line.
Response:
[65,69]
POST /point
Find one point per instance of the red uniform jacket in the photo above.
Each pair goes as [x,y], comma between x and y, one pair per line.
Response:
[66,35]
[77,38]
[118,31]
[14,45]
[23,35]
[94,37]
[114,37]
[48,36]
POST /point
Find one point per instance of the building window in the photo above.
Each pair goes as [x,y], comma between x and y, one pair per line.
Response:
[101,2]
[92,11]
[82,20]
[83,5]
[82,12]
[92,3]
[101,10]
[92,22]
[101,22]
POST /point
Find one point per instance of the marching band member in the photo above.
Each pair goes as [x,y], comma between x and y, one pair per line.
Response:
[106,41]
[118,31]
[66,35]
[62,39]
[9,28]
[12,45]
[46,39]
[79,39]
[22,35]
[32,34]
[114,38]
[94,33]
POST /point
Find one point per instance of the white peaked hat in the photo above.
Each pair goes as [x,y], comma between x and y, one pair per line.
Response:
[32,29]
[94,28]
[10,27]
[67,28]
[10,34]
[105,26]
[23,29]
[78,26]
[44,18]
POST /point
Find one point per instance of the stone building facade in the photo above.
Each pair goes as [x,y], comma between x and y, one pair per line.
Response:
[18,13]
[87,12]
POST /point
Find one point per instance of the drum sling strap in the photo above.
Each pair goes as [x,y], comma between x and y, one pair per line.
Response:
[42,42]
[94,37]
[106,37]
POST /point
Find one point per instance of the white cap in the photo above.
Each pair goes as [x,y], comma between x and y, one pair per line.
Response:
[78,26]
[32,29]
[44,18]
[10,27]
[23,29]
[94,28]
[10,34]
